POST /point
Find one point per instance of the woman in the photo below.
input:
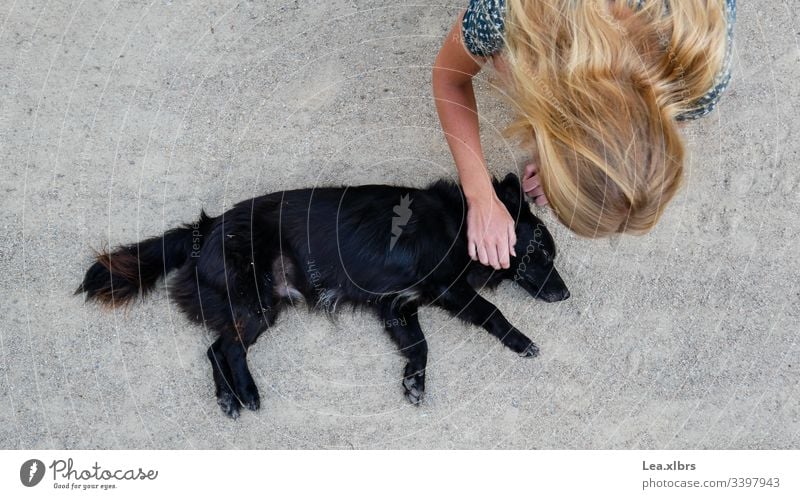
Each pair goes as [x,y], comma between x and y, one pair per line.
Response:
[599,88]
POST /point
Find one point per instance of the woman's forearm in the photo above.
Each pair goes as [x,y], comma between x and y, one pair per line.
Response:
[457,109]
[453,71]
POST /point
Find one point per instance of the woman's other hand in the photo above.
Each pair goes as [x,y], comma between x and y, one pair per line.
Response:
[532,183]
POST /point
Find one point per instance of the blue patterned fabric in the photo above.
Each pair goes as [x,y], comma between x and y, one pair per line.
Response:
[484,24]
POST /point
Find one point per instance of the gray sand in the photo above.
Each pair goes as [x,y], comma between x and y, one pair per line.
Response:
[121,121]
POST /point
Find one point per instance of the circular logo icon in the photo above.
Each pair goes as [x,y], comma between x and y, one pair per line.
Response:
[31,472]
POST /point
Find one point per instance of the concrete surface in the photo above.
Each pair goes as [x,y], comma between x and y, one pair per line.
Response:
[122,119]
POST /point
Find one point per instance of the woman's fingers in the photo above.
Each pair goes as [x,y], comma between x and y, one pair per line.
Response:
[502,260]
[494,260]
[483,255]
[530,170]
[531,183]
[538,196]
[533,187]
[472,249]
[512,239]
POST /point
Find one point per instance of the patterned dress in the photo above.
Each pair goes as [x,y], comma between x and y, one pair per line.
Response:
[484,24]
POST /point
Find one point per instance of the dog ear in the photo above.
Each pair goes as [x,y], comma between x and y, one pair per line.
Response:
[511,182]
[510,192]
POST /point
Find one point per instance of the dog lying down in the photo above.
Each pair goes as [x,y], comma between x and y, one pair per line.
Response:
[389,249]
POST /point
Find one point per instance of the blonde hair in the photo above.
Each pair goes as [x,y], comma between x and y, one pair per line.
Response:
[597,86]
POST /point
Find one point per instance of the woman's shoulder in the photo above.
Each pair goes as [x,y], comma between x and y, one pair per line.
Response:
[483,29]
[708,102]
[483,26]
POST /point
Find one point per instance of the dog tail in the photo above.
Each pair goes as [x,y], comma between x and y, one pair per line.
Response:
[119,276]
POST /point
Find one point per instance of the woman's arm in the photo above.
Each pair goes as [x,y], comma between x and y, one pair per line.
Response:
[490,228]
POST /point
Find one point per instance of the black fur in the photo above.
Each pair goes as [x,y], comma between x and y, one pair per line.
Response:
[389,249]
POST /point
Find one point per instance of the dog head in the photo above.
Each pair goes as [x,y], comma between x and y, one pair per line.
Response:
[533,267]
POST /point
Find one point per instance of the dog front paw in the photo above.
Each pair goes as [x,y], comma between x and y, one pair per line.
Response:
[530,351]
[249,397]
[519,343]
[414,384]
[229,404]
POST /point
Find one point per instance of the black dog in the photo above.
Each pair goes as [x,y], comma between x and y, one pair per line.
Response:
[387,248]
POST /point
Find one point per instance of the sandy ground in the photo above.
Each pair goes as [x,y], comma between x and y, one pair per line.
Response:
[122,119]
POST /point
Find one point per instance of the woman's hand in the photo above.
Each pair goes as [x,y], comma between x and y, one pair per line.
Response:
[490,232]
[532,183]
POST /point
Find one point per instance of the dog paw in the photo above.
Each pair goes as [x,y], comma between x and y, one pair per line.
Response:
[413,392]
[250,398]
[229,405]
[530,351]
[414,385]
[518,342]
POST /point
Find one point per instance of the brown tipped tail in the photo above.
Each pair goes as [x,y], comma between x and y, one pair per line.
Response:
[127,272]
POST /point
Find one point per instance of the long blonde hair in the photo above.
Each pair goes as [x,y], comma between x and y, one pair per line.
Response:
[597,85]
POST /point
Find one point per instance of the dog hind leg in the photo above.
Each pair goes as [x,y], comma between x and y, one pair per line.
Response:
[226,396]
[403,326]
[234,343]
[238,326]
